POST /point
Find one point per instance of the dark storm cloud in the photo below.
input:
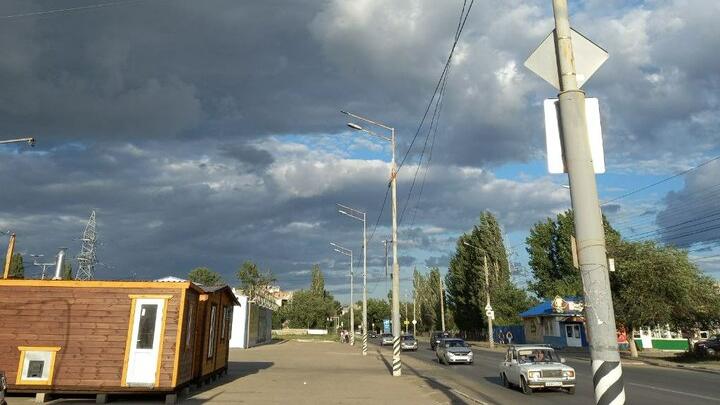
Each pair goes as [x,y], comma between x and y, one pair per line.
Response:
[690,216]
[169,118]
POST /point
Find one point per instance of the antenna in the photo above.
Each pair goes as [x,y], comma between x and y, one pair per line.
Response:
[87,259]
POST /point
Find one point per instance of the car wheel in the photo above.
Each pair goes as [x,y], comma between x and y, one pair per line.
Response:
[571,391]
[505,381]
[525,387]
[710,352]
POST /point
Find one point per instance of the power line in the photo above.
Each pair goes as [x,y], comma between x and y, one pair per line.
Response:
[458,32]
[436,99]
[661,181]
[382,209]
[70,9]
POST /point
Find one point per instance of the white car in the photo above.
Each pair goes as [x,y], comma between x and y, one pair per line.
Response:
[386,339]
[533,367]
[450,351]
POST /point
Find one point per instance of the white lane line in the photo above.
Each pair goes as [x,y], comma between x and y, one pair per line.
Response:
[652,387]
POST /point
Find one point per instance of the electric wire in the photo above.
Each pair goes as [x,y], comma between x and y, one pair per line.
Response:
[458,33]
[660,181]
[70,9]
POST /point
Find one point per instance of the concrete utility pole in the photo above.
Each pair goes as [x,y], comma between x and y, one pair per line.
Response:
[488,307]
[349,253]
[397,365]
[599,313]
[414,319]
[442,305]
[491,341]
[360,216]
[407,315]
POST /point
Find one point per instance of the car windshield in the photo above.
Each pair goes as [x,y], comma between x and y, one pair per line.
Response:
[454,343]
[410,337]
[536,356]
[386,335]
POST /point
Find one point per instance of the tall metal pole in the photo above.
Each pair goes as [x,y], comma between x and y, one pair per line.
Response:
[407,315]
[397,365]
[589,233]
[442,305]
[414,319]
[352,304]
[364,314]
[491,341]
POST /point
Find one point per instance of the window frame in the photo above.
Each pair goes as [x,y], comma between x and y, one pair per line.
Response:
[189,326]
[22,370]
[224,327]
[212,333]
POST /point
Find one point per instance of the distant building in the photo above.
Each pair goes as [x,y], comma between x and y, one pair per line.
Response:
[281,297]
[559,323]
[252,320]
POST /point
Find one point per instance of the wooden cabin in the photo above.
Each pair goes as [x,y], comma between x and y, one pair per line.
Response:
[105,337]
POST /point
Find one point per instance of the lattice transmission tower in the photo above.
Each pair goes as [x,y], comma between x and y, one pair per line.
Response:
[87,259]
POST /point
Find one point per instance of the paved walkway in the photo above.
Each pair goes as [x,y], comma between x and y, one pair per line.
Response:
[316,373]
[290,372]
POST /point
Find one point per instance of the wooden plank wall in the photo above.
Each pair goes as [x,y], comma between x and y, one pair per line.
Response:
[89,324]
[187,351]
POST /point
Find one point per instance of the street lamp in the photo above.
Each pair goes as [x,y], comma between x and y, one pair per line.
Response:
[488,308]
[30,141]
[348,252]
[360,216]
[396,365]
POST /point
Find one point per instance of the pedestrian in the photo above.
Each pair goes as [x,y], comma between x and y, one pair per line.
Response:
[509,337]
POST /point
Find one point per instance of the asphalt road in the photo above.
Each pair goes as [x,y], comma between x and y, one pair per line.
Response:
[644,384]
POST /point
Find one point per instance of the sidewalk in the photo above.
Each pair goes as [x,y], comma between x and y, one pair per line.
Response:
[316,373]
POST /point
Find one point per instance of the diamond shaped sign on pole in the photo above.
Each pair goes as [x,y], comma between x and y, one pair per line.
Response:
[587,55]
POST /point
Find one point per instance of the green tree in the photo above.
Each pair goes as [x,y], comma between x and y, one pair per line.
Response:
[67,271]
[658,285]
[17,268]
[205,276]
[377,310]
[252,280]
[317,285]
[465,281]
[551,259]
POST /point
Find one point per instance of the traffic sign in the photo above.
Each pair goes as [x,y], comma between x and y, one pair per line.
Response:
[407,322]
[587,55]
[490,314]
[414,322]
[555,160]
[488,308]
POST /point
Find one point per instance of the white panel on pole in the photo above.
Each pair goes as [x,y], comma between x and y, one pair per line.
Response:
[556,163]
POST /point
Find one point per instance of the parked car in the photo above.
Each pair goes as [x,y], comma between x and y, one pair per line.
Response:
[408,342]
[535,366]
[436,337]
[386,339]
[709,347]
[454,351]
[373,335]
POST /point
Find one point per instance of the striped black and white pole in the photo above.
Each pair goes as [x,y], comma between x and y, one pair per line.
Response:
[588,222]
[397,365]
[608,382]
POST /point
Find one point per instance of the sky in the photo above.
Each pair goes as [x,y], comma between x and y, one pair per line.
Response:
[210,133]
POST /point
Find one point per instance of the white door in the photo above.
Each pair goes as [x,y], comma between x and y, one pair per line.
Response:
[572,335]
[145,342]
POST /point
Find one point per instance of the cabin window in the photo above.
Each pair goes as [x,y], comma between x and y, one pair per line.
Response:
[36,365]
[188,334]
[223,331]
[146,331]
[211,342]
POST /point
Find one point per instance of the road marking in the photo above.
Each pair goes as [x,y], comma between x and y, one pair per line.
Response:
[468,396]
[675,392]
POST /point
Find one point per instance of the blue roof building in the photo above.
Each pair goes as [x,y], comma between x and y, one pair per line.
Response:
[559,323]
